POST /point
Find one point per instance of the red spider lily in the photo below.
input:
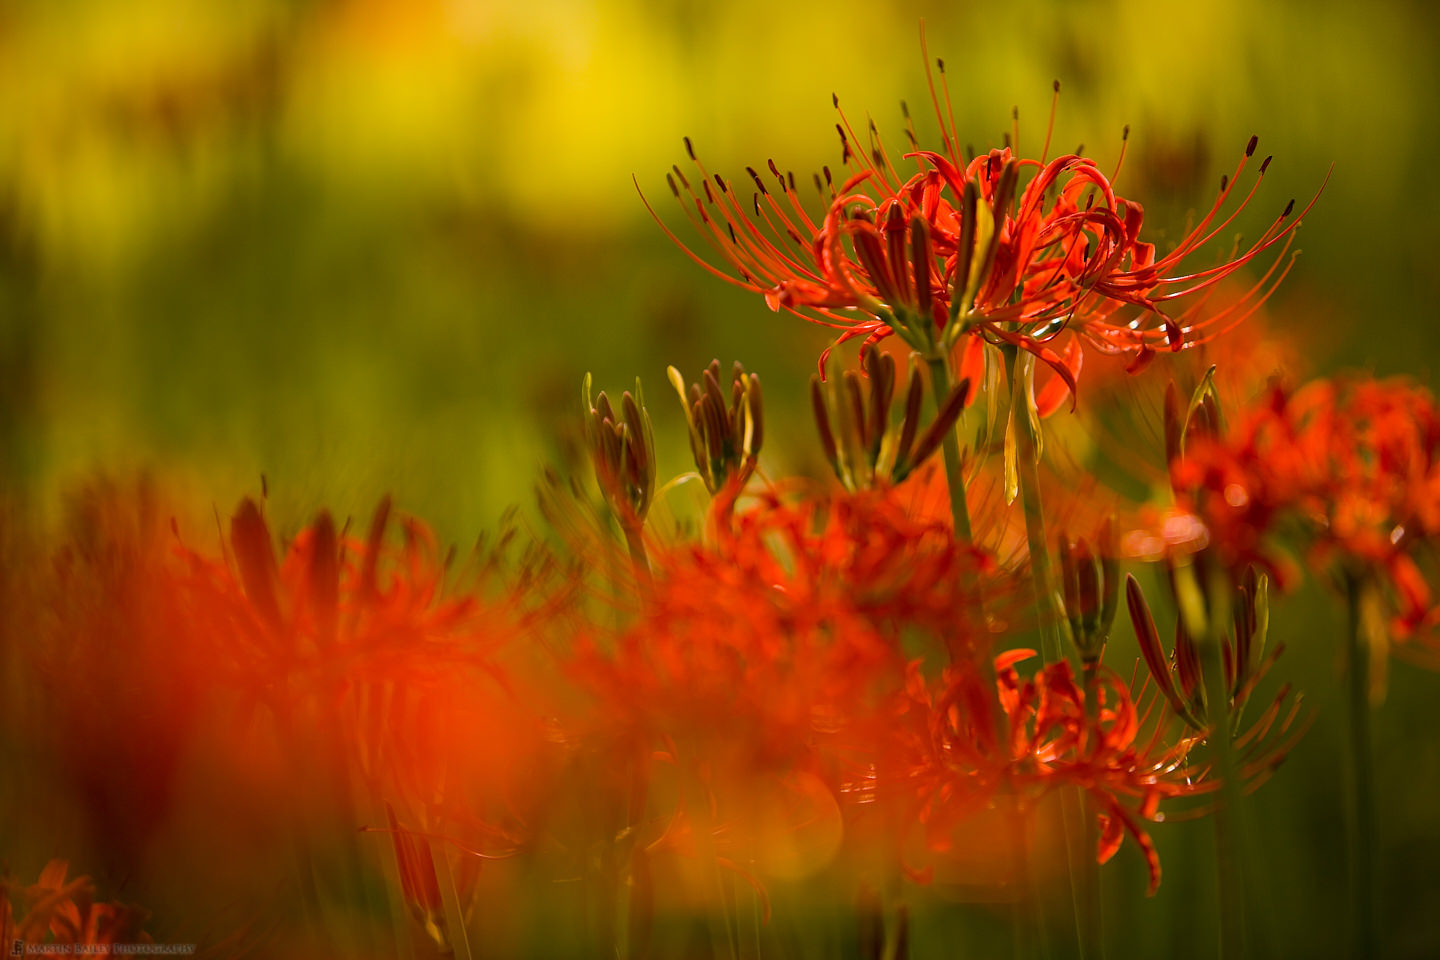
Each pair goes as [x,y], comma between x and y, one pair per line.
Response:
[799,606]
[1137,419]
[863,447]
[108,641]
[1350,469]
[1090,585]
[369,646]
[960,758]
[64,912]
[765,655]
[963,248]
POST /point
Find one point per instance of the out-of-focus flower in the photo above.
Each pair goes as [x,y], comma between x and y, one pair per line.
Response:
[1347,469]
[374,659]
[1090,584]
[62,912]
[110,674]
[961,754]
[756,664]
[793,615]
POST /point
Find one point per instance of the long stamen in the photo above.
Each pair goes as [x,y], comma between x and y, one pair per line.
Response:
[951,133]
[1050,126]
[1119,161]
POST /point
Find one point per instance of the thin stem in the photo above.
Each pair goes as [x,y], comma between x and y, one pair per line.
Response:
[1364,932]
[1229,866]
[450,897]
[950,448]
[635,540]
[696,797]
[1026,447]
[1027,913]
[1026,450]
[1088,892]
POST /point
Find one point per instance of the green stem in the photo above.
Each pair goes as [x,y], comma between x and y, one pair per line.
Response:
[635,540]
[1026,447]
[696,797]
[950,448]
[1026,456]
[1364,932]
[1229,866]
[1027,913]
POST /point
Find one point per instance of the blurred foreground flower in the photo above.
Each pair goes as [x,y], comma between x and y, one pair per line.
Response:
[63,913]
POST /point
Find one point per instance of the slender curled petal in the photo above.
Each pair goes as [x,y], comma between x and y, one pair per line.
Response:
[1002,247]
[1052,731]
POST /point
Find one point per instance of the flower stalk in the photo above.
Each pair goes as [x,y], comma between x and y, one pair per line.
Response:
[1361,769]
[950,450]
[1207,618]
[1024,435]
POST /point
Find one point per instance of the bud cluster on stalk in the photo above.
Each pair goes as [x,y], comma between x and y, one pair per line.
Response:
[725,439]
[622,448]
[1090,584]
[1178,674]
[863,444]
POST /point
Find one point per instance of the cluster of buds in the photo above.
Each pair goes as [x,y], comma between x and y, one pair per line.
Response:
[725,440]
[1201,417]
[1090,584]
[862,444]
[622,448]
[1178,675]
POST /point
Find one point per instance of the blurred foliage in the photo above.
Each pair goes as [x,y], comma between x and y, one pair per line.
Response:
[372,245]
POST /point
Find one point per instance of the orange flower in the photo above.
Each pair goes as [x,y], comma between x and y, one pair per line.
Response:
[796,612]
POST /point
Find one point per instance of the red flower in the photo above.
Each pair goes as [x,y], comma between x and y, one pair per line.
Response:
[794,614]
[372,657]
[960,248]
[61,912]
[763,664]
[1348,469]
[963,753]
